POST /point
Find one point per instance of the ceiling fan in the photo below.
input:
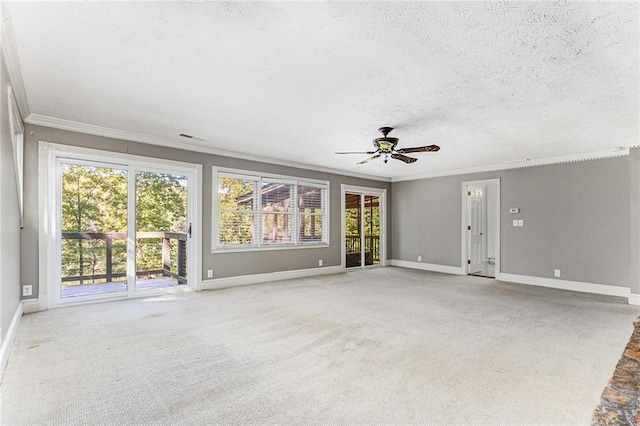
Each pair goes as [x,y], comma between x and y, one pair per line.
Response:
[386,147]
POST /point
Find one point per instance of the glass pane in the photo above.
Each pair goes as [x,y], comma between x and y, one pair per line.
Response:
[276,228]
[161,225]
[310,227]
[276,197]
[311,204]
[371,230]
[236,194]
[352,230]
[236,228]
[94,230]
[276,208]
[310,199]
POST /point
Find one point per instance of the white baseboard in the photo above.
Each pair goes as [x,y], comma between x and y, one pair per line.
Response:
[219,283]
[609,290]
[30,306]
[634,299]
[456,270]
[9,338]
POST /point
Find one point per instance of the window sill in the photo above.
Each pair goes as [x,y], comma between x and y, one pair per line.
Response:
[268,248]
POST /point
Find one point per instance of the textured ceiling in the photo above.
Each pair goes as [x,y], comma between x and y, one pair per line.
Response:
[490,82]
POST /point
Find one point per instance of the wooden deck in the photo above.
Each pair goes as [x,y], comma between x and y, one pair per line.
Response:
[115,287]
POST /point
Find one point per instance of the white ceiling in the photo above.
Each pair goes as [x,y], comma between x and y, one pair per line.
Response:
[490,82]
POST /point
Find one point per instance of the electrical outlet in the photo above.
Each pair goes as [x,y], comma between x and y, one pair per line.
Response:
[556,273]
[419,258]
[209,273]
[320,262]
[27,290]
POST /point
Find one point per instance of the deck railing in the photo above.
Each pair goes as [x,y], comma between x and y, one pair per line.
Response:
[109,237]
[371,245]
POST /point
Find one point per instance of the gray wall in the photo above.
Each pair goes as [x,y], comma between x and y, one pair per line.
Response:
[576,215]
[426,220]
[9,220]
[224,265]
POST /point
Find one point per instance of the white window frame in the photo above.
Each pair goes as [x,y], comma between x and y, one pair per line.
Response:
[260,177]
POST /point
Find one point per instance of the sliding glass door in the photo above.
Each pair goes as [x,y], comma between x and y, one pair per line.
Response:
[93,239]
[371,229]
[362,229]
[161,230]
[122,229]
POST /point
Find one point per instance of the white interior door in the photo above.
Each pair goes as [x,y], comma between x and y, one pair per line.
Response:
[476,229]
[480,234]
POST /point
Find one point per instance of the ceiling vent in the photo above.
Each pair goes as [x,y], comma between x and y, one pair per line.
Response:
[198,138]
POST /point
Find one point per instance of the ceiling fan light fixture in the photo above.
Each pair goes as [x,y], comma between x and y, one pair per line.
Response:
[386,147]
[385,144]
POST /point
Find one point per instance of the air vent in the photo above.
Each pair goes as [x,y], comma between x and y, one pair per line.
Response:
[198,138]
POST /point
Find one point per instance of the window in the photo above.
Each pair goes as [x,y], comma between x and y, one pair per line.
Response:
[254,211]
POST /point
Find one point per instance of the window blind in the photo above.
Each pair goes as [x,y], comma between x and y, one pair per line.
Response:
[259,211]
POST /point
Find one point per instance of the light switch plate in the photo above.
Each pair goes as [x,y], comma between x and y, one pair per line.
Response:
[515,222]
[520,222]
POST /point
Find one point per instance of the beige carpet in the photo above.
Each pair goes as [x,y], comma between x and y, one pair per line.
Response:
[388,345]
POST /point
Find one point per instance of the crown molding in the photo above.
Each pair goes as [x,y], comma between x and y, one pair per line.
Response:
[11,59]
[573,158]
[74,126]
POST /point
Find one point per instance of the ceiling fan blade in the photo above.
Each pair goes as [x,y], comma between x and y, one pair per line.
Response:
[357,152]
[369,159]
[404,158]
[428,148]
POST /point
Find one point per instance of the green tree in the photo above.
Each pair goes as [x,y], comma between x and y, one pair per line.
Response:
[94,199]
[161,205]
[236,206]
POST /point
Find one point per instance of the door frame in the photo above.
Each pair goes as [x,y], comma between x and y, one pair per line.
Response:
[483,227]
[363,190]
[495,185]
[50,154]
